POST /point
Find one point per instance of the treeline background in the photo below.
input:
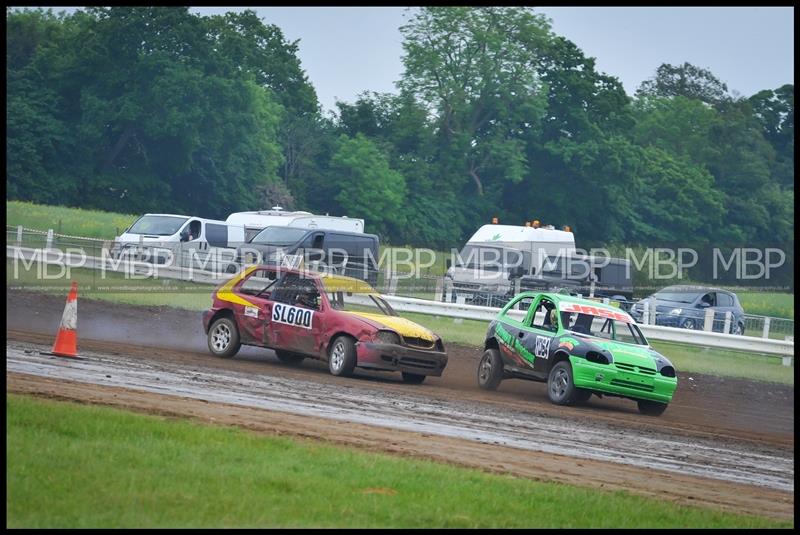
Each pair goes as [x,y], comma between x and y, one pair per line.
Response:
[138,110]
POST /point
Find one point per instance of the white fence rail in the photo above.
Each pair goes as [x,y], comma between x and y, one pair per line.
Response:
[784,348]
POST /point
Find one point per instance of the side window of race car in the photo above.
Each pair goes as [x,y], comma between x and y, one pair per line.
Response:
[259,283]
[542,317]
[294,290]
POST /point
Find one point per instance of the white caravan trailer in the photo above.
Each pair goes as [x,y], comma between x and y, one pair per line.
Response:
[254,222]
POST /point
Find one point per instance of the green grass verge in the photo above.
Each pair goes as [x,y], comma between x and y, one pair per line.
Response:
[180,294]
[69,221]
[726,363]
[75,466]
[774,304]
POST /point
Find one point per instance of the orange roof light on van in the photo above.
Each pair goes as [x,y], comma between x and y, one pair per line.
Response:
[535,223]
[567,228]
[494,221]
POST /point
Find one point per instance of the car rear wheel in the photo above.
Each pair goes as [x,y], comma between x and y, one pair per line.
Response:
[223,338]
[490,370]
[413,378]
[689,324]
[560,388]
[651,408]
[342,356]
[288,357]
[737,328]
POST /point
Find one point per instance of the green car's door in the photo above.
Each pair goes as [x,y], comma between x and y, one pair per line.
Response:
[525,345]
[541,326]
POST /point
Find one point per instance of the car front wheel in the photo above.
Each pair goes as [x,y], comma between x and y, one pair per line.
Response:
[560,388]
[413,378]
[490,370]
[223,338]
[689,324]
[342,356]
[651,408]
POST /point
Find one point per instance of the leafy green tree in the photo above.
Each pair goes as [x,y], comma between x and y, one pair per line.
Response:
[775,111]
[679,125]
[472,66]
[579,156]
[160,118]
[685,80]
[35,133]
[680,202]
[368,187]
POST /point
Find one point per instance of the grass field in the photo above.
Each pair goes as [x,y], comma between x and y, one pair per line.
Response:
[777,305]
[69,221]
[76,466]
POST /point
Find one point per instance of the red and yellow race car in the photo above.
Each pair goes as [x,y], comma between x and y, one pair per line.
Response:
[337,319]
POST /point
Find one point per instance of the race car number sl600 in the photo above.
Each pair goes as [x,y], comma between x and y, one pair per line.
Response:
[298,317]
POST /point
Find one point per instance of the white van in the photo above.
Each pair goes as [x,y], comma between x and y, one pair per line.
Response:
[180,240]
[254,222]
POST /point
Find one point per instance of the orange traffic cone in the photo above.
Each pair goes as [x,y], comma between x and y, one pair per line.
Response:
[66,344]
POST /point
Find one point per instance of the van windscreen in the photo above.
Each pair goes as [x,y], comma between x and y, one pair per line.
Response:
[488,258]
[157,225]
[279,235]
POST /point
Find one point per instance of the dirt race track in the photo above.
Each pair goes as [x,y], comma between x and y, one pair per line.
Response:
[726,443]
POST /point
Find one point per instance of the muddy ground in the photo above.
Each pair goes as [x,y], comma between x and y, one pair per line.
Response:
[731,415]
[703,404]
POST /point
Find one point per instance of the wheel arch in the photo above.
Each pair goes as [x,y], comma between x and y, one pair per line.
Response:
[336,335]
[559,356]
[221,313]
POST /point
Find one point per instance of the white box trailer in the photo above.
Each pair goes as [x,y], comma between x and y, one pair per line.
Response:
[254,222]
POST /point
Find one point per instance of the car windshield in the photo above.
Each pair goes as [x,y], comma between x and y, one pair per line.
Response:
[354,295]
[279,236]
[488,258]
[602,324]
[360,302]
[157,225]
[678,297]
[560,267]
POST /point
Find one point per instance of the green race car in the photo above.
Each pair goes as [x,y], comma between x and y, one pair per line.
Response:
[579,348]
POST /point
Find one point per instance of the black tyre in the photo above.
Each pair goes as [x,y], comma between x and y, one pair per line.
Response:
[651,408]
[287,357]
[737,328]
[560,388]
[342,356]
[490,370]
[581,396]
[689,323]
[223,338]
[413,378]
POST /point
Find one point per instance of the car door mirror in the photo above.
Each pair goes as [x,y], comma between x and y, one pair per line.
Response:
[704,304]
